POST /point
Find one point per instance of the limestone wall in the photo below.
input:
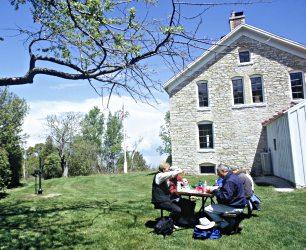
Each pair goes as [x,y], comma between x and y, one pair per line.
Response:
[239,137]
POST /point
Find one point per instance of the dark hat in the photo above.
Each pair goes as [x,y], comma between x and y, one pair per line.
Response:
[233,168]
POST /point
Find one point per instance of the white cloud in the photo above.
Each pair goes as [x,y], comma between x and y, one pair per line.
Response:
[66,85]
[143,121]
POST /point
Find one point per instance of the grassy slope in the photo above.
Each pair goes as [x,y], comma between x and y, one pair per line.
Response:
[110,212]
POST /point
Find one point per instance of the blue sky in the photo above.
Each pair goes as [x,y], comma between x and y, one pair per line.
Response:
[49,95]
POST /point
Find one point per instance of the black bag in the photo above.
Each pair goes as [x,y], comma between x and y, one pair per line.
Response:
[164,226]
[187,216]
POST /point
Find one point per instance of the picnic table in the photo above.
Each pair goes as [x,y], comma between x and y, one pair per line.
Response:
[196,193]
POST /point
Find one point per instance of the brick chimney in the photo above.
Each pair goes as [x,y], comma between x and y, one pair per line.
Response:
[236,19]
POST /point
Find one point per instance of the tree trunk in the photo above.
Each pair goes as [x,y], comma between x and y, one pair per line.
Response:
[65,173]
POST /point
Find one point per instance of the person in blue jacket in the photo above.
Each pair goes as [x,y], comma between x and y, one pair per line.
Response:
[230,197]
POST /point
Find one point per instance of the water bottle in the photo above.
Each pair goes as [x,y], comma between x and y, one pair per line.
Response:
[179,186]
[205,187]
[200,184]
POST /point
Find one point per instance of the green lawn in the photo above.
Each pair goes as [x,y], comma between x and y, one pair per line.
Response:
[110,212]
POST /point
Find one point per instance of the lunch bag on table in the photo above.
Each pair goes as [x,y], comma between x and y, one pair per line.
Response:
[164,226]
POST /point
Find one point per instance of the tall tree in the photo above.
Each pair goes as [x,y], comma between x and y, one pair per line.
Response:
[113,139]
[83,158]
[109,42]
[12,112]
[63,129]
[5,171]
[165,136]
[92,127]
[52,166]
[34,157]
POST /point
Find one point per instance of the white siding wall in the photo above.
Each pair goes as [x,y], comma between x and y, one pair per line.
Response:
[282,156]
[289,158]
[297,124]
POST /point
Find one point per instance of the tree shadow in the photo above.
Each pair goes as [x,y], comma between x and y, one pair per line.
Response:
[151,173]
[3,195]
[46,227]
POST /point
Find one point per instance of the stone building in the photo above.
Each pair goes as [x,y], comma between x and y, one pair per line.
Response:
[218,103]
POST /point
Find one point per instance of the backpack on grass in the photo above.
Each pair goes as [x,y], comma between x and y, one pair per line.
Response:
[164,226]
[255,202]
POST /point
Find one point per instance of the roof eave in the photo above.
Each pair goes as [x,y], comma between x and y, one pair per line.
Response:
[244,29]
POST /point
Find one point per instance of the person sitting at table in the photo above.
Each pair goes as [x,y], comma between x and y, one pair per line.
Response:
[161,196]
[230,197]
[173,184]
[246,181]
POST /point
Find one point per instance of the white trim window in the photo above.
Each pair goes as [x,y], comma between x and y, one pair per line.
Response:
[297,85]
[257,89]
[238,90]
[206,138]
[244,56]
[203,94]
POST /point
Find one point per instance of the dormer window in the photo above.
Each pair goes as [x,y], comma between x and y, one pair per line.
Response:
[203,94]
[244,56]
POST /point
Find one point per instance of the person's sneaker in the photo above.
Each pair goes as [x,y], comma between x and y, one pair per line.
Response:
[175,227]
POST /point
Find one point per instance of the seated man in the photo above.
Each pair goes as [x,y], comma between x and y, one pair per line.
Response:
[246,181]
[230,197]
[161,197]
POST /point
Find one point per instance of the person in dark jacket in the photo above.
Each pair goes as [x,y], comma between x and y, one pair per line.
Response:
[246,181]
[161,196]
[230,197]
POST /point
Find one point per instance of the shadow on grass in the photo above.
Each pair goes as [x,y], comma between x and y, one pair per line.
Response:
[3,195]
[52,226]
[151,173]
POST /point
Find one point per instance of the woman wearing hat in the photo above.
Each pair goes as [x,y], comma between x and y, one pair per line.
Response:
[161,196]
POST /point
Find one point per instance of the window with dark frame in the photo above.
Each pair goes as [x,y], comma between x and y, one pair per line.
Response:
[238,91]
[203,94]
[297,87]
[206,135]
[257,93]
[244,56]
[207,169]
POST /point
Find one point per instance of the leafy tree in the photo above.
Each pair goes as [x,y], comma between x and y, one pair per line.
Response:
[165,136]
[5,171]
[63,129]
[34,157]
[138,162]
[83,158]
[47,148]
[92,127]
[110,42]
[135,162]
[52,166]
[113,139]
[12,112]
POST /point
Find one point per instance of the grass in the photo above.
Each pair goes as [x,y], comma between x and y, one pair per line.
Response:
[111,212]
